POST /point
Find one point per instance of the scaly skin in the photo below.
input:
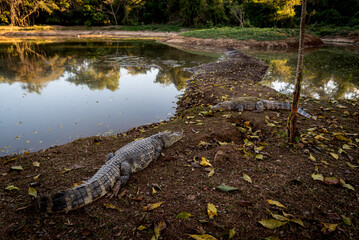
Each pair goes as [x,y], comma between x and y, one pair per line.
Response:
[115,173]
[253,103]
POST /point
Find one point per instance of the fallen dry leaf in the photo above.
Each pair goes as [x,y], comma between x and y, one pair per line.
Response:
[111,206]
[153,206]
[11,187]
[317,177]
[32,192]
[159,226]
[276,203]
[247,178]
[183,215]
[204,162]
[211,210]
[202,237]
[271,223]
[328,227]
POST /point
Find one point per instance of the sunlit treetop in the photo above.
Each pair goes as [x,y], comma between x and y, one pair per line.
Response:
[285,8]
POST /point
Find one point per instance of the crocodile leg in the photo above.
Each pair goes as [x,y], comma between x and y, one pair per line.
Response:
[259,106]
[125,173]
[109,156]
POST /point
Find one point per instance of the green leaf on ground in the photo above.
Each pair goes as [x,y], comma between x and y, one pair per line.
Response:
[225,188]
[183,215]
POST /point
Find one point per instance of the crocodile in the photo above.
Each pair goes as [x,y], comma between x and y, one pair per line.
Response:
[114,174]
[253,103]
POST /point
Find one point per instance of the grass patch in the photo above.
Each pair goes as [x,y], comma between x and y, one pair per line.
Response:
[336,31]
[260,34]
[150,27]
[30,28]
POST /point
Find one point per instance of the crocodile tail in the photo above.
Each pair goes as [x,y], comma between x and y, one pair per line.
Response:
[273,105]
[303,113]
[91,190]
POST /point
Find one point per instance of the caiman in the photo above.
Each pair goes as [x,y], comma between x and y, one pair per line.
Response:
[115,173]
[255,104]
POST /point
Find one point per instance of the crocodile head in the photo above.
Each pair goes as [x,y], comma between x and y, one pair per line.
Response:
[169,138]
[223,106]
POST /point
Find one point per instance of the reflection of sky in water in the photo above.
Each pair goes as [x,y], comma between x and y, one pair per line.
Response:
[65,111]
[91,93]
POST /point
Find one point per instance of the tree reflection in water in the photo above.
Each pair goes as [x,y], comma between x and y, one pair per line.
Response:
[328,72]
[94,64]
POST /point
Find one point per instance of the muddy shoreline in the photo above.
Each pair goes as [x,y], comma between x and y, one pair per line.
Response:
[169,38]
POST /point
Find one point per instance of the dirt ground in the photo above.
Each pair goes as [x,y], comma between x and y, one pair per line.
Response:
[247,151]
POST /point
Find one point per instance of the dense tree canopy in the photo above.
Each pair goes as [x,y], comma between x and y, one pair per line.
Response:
[194,13]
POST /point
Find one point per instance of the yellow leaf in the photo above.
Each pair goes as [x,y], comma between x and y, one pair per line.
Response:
[325,162]
[259,148]
[334,155]
[111,206]
[272,223]
[341,137]
[270,124]
[247,142]
[36,164]
[346,185]
[11,187]
[232,233]
[346,147]
[17,168]
[351,165]
[346,220]
[204,162]
[36,177]
[328,227]
[211,210]
[259,156]
[312,158]
[247,178]
[276,203]
[211,172]
[141,228]
[294,219]
[153,191]
[32,192]
[65,171]
[202,237]
[317,177]
[159,226]
[277,216]
[151,207]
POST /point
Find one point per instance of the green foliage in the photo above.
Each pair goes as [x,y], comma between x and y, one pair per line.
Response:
[151,27]
[189,13]
[260,34]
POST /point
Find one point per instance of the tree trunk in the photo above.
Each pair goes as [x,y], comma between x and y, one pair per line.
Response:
[292,131]
[13,15]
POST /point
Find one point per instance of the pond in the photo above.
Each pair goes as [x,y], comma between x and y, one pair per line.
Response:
[329,72]
[54,92]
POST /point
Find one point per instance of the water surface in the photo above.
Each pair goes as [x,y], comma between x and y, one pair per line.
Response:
[329,72]
[54,92]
